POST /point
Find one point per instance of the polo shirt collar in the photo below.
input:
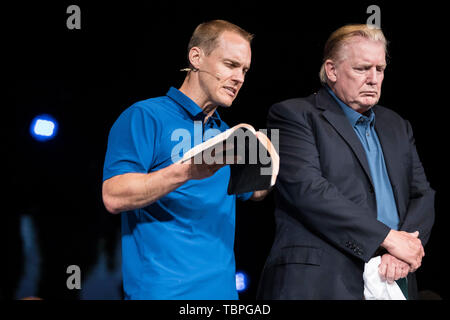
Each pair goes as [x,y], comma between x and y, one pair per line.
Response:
[184,101]
[353,116]
[215,116]
[190,106]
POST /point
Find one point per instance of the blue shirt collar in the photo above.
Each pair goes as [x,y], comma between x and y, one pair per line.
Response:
[353,116]
[189,105]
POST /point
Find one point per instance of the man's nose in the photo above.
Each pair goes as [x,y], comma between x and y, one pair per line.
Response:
[372,76]
[238,76]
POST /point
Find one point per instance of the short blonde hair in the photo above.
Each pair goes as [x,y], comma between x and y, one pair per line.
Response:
[341,36]
[206,34]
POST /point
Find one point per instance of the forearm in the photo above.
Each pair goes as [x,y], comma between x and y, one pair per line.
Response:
[322,208]
[137,190]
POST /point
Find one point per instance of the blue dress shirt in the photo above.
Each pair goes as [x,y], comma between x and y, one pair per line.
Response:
[364,127]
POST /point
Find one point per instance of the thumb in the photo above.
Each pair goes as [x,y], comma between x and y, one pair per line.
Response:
[415,234]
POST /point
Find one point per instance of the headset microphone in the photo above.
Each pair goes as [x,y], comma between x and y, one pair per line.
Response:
[217,75]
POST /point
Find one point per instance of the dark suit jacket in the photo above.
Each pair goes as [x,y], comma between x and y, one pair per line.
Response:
[326,216]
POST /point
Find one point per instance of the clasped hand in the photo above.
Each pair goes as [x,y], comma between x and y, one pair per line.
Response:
[405,253]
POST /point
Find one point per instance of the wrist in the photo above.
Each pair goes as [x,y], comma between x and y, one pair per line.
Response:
[388,242]
[180,172]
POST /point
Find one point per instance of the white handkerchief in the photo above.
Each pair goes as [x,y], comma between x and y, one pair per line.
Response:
[377,289]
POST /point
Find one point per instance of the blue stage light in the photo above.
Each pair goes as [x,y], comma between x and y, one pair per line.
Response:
[43,127]
[241,281]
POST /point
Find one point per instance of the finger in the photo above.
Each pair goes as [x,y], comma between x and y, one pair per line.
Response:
[415,234]
[414,266]
[382,271]
[390,273]
[404,269]
[405,272]
[399,273]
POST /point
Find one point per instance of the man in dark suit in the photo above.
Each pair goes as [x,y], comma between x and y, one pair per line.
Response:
[351,185]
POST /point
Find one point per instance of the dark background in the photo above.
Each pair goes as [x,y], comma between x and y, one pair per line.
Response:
[128,51]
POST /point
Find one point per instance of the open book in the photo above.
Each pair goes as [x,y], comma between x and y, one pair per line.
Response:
[253,159]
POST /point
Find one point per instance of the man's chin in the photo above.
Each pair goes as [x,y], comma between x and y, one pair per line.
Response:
[368,103]
[227,100]
[225,104]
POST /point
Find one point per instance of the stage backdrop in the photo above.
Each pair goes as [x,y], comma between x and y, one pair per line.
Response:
[85,73]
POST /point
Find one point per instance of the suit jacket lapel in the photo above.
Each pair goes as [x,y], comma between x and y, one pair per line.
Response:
[336,117]
[386,135]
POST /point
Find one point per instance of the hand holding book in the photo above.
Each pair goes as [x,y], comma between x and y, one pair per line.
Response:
[252,156]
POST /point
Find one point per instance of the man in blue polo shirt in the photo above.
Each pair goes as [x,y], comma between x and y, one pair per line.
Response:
[178,221]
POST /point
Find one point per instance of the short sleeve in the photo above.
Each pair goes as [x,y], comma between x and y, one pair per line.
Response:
[244,196]
[131,143]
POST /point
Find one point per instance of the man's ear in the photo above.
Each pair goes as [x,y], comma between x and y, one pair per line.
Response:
[195,57]
[330,70]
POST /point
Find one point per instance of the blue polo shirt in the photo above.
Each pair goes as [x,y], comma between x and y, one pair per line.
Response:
[181,246]
[364,127]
